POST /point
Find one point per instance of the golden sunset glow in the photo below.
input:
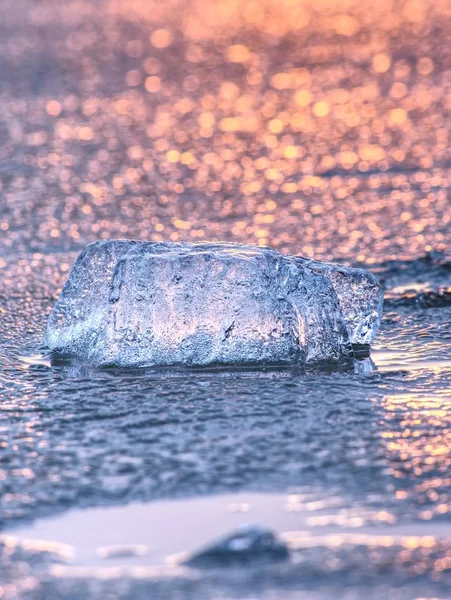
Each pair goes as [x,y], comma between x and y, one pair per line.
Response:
[312,107]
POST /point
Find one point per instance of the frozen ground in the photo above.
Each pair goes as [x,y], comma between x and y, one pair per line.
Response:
[324,135]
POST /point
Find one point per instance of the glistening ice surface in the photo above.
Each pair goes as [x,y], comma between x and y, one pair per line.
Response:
[320,129]
[140,304]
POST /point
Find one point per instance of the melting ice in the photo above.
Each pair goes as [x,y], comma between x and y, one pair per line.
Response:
[129,303]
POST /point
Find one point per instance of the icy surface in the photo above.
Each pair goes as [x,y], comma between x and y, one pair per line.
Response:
[152,303]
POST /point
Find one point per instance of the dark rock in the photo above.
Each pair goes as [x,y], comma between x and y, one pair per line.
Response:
[247,546]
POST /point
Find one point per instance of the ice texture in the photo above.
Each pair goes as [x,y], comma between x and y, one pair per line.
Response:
[129,303]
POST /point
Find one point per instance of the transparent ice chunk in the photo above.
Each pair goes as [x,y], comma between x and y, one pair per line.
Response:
[152,304]
[359,294]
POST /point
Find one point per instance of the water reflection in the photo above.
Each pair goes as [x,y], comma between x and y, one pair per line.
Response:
[73,368]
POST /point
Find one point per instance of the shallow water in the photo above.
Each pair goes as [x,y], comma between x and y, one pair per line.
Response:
[115,540]
[328,139]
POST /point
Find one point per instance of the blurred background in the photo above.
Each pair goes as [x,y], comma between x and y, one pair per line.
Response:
[320,128]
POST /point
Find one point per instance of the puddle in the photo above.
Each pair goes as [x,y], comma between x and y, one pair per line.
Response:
[158,535]
[149,533]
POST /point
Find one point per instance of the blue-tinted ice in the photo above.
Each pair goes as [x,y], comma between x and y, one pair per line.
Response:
[131,303]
